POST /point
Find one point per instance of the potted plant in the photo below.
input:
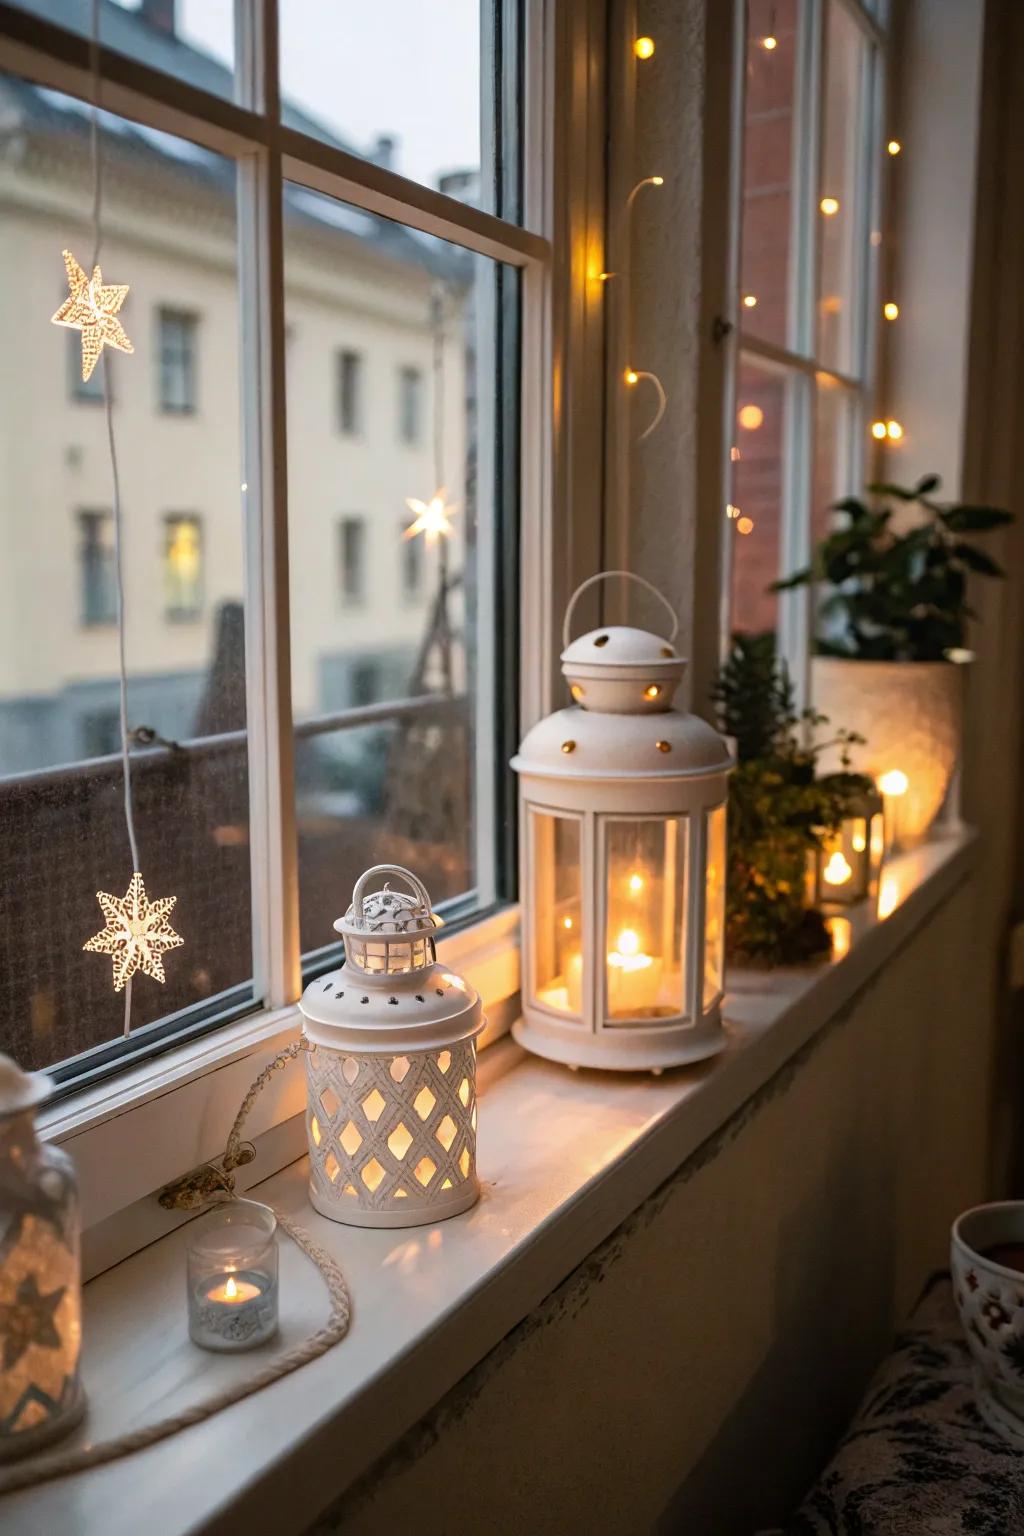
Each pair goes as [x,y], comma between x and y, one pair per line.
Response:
[780,809]
[892,631]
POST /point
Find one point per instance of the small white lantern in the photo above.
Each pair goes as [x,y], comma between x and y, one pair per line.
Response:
[622,841]
[391,1072]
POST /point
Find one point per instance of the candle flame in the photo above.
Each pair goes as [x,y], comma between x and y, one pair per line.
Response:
[627,942]
[837,871]
[636,883]
[858,842]
[230,1288]
[895,782]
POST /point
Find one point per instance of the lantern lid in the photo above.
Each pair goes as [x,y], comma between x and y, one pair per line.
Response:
[576,743]
[391,994]
[617,669]
[20,1090]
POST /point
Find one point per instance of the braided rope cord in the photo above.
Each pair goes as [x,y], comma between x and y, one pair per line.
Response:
[45,1468]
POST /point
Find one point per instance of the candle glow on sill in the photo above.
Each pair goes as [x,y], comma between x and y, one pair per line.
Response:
[841,932]
[888,896]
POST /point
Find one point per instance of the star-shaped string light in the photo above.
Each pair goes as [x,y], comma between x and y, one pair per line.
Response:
[28,1320]
[137,934]
[92,307]
[433,518]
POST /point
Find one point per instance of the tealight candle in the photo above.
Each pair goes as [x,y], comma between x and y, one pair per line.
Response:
[232,1277]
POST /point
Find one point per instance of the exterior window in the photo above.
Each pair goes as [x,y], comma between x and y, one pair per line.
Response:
[350,393]
[353,559]
[96,568]
[183,566]
[800,433]
[411,564]
[89,390]
[178,365]
[366,688]
[410,405]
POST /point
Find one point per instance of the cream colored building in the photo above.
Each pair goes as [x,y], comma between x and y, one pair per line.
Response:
[360,441]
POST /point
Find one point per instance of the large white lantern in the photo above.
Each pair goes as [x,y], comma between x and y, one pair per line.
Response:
[622,851]
[391,1069]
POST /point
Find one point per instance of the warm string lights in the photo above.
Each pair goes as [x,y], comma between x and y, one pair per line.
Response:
[137,932]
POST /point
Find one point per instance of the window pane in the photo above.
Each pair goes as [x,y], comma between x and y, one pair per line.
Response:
[841,211]
[833,441]
[417,614]
[401,83]
[714,905]
[192,40]
[62,828]
[556,973]
[644,960]
[768,156]
[759,486]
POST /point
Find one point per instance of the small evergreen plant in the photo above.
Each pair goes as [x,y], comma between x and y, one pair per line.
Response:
[779,808]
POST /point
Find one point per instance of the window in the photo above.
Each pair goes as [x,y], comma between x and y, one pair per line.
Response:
[350,392]
[178,338]
[97,573]
[183,566]
[410,405]
[352,545]
[89,390]
[810,157]
[411,565]
[347,712]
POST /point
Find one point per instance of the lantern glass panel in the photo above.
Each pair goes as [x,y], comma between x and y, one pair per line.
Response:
[557,913]
[714,906]
[645,861]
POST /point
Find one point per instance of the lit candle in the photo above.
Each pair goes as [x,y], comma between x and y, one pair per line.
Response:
[232,1277]
[634,978]
[838,870]
[892,786]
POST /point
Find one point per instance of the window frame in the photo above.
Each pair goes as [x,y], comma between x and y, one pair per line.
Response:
[798,360]
[135,1130]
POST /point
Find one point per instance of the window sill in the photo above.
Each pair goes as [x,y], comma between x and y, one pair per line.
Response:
[565,1158]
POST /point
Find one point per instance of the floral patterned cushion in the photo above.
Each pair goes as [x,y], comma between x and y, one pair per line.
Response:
[918,1459]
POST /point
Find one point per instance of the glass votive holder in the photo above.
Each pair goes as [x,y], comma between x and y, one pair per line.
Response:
[232,1276]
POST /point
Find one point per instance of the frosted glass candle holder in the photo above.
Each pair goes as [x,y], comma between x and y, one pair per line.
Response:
[232,1277]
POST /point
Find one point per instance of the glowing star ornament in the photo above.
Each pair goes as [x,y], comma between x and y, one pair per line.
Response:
[137,934]
[432,517]
[92,307]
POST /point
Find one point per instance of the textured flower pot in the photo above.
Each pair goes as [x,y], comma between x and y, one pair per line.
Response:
[990,1300]
[911,716]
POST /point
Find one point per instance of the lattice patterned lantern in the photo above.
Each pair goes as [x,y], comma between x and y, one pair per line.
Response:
[846,868]
[622,839]
[391,1112]
[40,1283]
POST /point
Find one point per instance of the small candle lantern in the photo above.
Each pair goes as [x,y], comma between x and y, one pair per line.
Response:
[622,838]
[232,1277]
[391,1073]
[41,1393]
[893,786]
[847,864]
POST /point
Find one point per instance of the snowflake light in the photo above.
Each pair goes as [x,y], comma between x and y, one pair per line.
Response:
[137,934]
[432,517]
[92,307]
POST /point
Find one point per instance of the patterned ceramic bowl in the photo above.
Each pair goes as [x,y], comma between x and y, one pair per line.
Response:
[990,1297]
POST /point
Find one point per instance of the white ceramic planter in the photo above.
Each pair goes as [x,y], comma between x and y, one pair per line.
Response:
[911,716]
[990,1300]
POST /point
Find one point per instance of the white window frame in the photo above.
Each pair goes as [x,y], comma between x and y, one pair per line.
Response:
[798,363]
[135,1131]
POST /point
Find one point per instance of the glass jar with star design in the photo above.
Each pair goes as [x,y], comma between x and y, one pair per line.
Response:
[41,1395]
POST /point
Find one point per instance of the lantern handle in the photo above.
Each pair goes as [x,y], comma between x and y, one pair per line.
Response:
[414,883]
[603,576]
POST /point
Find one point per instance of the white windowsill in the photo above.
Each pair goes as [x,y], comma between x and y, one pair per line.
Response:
[564,1158]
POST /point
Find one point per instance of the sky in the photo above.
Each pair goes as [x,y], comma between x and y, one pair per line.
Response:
[410,68]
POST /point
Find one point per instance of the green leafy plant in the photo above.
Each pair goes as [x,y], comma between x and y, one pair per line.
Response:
[779,808]
[899,595]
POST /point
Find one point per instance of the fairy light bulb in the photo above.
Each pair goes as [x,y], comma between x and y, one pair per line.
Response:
[893,431]
[631,375]
[745,525]
[750,417]
[829,206]
[891,311]
[878,430]
[643,47]
[750,301]
[657,181]
[769,43]
[894,146]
